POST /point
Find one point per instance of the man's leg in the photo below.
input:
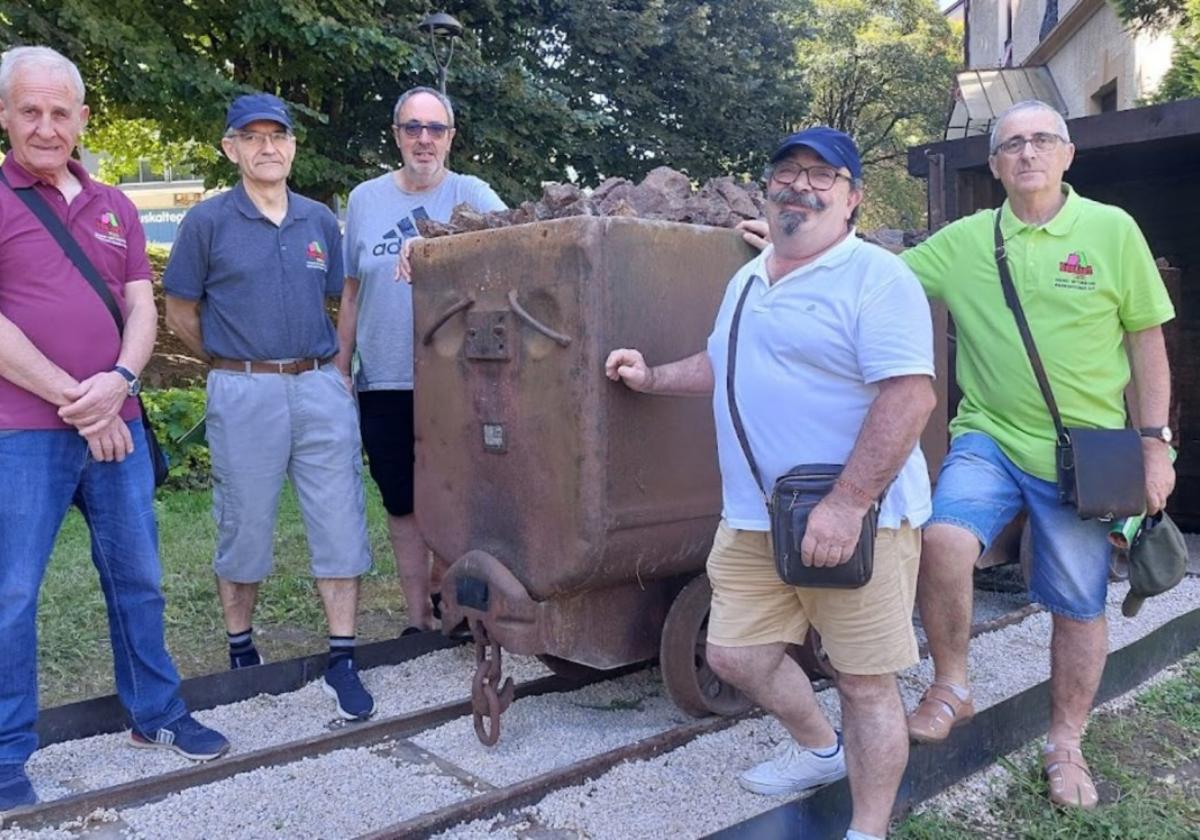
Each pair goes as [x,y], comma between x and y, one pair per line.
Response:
[1078,650]
[876,747]
[339,597]
[40,470]
[117,501]
[945,597]
[237,604]
[412,567]
[773,680]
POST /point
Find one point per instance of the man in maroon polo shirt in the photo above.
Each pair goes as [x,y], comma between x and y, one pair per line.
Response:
[70,428]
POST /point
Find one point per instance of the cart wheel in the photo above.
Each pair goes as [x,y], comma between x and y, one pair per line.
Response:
[690,683]
[812,658]
[567,669]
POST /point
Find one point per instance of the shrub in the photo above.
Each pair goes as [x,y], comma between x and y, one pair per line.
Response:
[174,412]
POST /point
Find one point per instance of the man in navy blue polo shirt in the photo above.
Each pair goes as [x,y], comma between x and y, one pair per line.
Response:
[246,287]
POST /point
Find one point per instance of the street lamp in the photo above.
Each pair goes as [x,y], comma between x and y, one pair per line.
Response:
[441,26]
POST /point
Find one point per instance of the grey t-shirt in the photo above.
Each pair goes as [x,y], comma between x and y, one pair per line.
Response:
[380,216]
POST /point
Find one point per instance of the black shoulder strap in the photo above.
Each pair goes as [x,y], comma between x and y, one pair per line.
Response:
[1014,303]
[730,366]
[45,215]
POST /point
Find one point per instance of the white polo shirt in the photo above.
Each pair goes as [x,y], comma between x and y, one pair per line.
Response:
[810,350]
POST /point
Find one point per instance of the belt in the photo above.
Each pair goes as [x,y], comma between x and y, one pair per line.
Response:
[298,366]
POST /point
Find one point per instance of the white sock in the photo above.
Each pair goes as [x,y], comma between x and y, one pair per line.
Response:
[851,834]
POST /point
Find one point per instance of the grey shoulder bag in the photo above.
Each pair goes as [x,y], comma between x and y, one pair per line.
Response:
[793,498]
[1100,471]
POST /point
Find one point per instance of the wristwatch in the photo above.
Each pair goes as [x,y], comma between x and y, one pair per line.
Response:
[1162,433]
[135,384]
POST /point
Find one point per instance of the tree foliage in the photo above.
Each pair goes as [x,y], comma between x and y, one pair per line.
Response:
[544,89]
[1151,14]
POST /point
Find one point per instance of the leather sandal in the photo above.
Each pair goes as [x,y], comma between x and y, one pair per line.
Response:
[939,711]
[1070,779]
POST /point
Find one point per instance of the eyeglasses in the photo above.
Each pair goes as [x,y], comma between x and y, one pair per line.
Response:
[819,177]
[413,129]
[1042,142]
[258,139]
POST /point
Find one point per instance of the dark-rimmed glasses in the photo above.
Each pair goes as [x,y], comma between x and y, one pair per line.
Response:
[1043,141]
[413,129]
[819,176]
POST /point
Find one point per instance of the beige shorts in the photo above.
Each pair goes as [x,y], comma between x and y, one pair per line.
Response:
[864,631]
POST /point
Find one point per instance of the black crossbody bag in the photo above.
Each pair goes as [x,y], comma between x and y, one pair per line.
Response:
[1100,471]
[793,498]
[45,215]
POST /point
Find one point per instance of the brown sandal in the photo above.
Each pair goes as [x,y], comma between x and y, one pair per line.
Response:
[939,711]
[1070,779]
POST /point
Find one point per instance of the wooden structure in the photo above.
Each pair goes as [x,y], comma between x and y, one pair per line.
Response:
[1147,161]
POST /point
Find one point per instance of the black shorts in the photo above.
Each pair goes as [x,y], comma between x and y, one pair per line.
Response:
[386,419]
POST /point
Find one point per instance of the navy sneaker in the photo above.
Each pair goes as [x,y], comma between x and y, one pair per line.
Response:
[15,789]
[186,736]
[342,683]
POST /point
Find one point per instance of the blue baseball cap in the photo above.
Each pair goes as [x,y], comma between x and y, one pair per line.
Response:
[834,146]
[257,106]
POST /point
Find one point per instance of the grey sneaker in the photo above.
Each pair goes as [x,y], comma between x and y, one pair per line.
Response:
[794,769]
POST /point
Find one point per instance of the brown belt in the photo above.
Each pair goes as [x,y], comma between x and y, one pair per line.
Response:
[298,366]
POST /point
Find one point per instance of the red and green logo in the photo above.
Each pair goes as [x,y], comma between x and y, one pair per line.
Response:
[315,255]
[109,223]
[1076,263]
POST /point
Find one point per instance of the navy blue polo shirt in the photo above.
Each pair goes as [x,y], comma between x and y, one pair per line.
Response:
[261,287]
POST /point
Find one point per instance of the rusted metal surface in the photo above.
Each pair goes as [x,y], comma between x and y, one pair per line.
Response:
[572,510]
[489,697]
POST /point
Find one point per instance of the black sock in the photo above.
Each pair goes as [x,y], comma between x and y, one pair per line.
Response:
[340,647]
[242,652]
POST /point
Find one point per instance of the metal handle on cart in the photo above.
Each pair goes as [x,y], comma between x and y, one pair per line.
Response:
[458,306]
[562,340]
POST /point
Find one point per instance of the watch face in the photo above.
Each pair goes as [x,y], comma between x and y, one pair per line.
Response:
[1167,436]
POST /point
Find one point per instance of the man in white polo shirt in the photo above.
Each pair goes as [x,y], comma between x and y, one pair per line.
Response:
[834,366]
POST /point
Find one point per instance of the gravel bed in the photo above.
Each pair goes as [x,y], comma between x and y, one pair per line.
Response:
[692,791]
[439,677]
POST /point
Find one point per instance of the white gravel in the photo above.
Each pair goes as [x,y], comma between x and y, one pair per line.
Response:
[442,676]
[687,793]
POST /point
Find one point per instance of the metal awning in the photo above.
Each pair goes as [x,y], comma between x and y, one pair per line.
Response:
[981,96]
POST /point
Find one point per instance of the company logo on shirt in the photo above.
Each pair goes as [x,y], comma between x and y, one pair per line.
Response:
[392,240]
[108,229]
[314,256]
[1076,263]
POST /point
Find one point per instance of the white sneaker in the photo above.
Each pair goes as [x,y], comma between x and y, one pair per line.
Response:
[794,769]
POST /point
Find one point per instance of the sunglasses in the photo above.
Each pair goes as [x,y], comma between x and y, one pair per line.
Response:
[413,129]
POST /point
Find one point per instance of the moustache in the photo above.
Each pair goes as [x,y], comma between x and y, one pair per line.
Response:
[787,195]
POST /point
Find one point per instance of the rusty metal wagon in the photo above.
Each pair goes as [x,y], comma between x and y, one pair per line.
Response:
[575,514]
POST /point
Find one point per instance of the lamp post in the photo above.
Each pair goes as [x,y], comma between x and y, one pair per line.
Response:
[440,26]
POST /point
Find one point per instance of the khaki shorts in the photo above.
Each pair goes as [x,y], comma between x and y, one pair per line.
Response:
[864,631]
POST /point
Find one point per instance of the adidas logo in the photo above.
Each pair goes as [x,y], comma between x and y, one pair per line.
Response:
[392,240]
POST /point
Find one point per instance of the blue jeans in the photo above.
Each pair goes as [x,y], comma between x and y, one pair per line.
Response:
[981,490]
[44,472]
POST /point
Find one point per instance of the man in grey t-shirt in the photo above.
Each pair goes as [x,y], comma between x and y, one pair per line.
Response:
[376,318]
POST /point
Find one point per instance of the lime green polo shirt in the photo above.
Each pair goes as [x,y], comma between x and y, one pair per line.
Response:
[1085,279]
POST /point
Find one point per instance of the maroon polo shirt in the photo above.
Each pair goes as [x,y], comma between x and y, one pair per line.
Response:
[45,296]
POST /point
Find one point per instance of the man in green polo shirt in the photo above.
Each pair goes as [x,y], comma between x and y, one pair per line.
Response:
[1095,304]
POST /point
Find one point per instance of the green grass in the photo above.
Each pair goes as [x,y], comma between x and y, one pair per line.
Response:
[75,657]
[1145,760]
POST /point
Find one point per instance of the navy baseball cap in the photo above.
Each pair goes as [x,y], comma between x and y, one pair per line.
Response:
[257,106]
[834,146]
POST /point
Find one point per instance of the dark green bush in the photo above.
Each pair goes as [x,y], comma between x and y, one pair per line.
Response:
[174,412]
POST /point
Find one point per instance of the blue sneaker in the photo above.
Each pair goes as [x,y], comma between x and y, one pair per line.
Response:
[342,683]
[186,736]
[15,789]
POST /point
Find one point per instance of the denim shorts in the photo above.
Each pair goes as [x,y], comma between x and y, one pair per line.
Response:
[981,490]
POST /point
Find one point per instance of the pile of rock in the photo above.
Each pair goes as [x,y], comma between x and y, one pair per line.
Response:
[664,194]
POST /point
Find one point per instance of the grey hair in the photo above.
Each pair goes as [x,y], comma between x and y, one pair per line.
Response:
[17,59]
[1027,105]
[436,94]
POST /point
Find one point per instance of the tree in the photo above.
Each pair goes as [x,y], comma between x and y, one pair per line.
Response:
[883,73]
[544,88]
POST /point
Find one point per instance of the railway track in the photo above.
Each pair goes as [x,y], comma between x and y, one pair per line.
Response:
[485,801]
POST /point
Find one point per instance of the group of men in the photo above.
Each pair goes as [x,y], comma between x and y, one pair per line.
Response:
[836,367]
[246,289]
